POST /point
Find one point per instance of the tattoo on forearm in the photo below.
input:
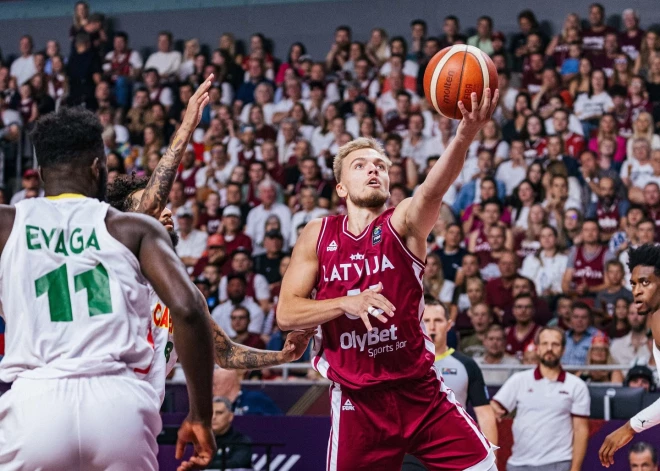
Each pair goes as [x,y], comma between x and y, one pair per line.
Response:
[158,188]
[231,355]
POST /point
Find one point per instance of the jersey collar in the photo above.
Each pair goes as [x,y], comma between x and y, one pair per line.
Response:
[538,376]
[444,355]
[63,196]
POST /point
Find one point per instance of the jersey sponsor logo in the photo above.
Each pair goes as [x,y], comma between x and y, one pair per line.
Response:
[343,271]
[332,247]
[357,256]
[348,405]
[565,392]
[382,341]
[161,317]
[73,242]
[377,235]
[588,272]
[449,371]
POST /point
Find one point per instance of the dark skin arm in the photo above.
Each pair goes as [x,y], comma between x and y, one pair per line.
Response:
[158,188]
[150,243]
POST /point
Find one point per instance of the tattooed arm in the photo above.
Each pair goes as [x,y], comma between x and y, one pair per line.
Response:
[158,188]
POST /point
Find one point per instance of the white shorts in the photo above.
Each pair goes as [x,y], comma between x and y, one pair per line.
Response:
[89,423]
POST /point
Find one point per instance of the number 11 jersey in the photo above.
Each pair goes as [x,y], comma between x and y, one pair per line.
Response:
[348,264]
[73,297]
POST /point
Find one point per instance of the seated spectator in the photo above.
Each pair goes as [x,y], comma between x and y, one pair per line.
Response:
[469,269]
[310,176]
[599,354]
[632,348]
[522,285]
[499,289]
[236,292]
[309,210]
[226,383]
[215,254]
[562,318]
[451,255]
[234,447]
[434,281]
[570,133]
[640,376]
[212,276]
[165,61]
[495,354]
[471,219]
[256,284]
[641,455]
[474,294]
[546,267]
[192,242]
[613,290]
[528,242]
[255,76]
[513,171]
[524,331]
[29,182]
[590,107]
[482,39]
[580,335]
[268,263]
[259,214]
[469,181]
[617,326]
[558,199]
[608,210]
[637,171]
[240,320]
[585,272]
[481,319]
[490,216]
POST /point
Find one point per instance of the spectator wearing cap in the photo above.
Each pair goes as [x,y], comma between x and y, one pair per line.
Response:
[599,354]
[215,253]
[165,61]
[546,398]
[237,296]
[257,286]
[188,173]
[580,335]
[632,348]
[232,230]
[483,38]
[257,217]
[240,319]
[30,181]
[495,354]
[232,195]
[192,242]
[309,209]
[234,447]
[268,263]
[640,376]
[642,456]
[23,67]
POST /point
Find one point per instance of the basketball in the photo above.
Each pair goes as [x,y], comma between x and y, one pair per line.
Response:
[453,74]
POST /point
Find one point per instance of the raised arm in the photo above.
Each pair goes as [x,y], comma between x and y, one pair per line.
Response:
[158,188]
[417,217]
[297,311]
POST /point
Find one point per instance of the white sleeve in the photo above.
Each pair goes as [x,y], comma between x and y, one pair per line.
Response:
[507,394]
[261,288]
[502,150]
[581,401]
[649,417]
[222,290]
[136,60]
[166,97]
[200,177]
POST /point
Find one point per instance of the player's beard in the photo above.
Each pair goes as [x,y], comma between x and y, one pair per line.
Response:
[374,200]
[174,237]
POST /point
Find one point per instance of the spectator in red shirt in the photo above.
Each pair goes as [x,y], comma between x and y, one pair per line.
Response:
[499,291]
[533,78]
[593,38]
[232,230]
[214,254]
[240,319]
[523,332]
[397,121]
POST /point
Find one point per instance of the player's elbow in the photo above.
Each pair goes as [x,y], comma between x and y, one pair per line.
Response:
[286,319]
[192,312]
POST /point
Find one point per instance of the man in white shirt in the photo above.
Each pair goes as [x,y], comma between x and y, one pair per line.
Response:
[546,399]
[310,210]
[122,61]
[192,242]
[514,170]
[495,345]
[23,67]
[256,219]
[632,348]
[257,286]
[415,144]
[293,92]
[165,61]
[236,288]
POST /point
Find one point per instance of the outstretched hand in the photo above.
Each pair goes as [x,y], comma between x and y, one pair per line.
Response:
[196,105]
[296,344]
[479,115]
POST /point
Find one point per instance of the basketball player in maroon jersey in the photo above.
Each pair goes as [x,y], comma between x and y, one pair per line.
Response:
[386,398]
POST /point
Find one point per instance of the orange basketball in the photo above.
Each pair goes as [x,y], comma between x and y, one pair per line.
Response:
[453,74]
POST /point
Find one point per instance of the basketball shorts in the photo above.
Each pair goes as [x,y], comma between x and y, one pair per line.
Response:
[373,429]
[92,423]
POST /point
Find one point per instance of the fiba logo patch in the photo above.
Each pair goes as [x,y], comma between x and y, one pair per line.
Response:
[376,235]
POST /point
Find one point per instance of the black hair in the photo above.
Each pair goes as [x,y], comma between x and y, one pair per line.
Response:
[641,447]
[71,136]
[393,137]
[166,33]
[418,22]
[647,255]
[236,276]
[492,201]
[122,34]
[122,188]
[344,28]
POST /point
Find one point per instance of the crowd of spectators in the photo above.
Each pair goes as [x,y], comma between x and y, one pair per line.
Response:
[533,232]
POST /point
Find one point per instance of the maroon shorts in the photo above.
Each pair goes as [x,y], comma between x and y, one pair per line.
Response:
[373,429]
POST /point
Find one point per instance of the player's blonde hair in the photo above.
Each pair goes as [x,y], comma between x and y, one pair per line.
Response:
[356,144]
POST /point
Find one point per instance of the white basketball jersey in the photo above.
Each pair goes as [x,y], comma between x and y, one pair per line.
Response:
[161,336]
[74,298]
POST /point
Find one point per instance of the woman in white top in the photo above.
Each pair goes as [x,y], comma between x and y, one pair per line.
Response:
[377,49]
[526,197]
[187,67]
[434,280]
[263,95]
[322,136]
[590,107]
[643,128]
[490,138]
[546,268]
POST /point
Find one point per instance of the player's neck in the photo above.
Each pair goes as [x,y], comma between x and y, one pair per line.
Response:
[360,218]
[60,181]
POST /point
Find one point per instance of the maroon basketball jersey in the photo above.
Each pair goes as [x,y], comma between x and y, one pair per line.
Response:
[608,217]
[589,269]
[348,264]
[517,347]
[481,245]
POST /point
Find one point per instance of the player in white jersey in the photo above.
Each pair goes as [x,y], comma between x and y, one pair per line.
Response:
[125,194]
[74,277]
[644,264]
